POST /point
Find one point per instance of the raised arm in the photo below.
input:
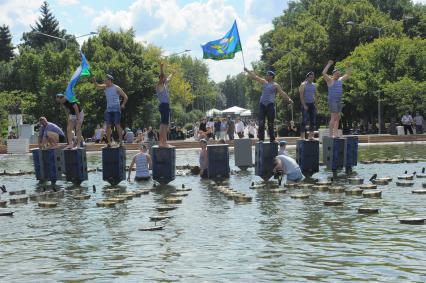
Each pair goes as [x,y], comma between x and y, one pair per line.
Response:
[348,72]
[124,96]
[252,75]
[283,93]
[131,167]
[324,72]
[98,86]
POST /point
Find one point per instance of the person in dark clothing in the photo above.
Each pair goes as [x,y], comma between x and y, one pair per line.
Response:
[307,91]
[231,128]
[203,127]
[217,125]
[75,117]
[267,102]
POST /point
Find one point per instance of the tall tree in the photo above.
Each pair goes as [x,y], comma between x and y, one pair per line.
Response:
[6,48]
[47,24]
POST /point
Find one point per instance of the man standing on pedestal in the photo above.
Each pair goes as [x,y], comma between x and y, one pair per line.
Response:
[267,102]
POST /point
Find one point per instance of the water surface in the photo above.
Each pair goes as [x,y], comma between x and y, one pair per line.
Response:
[212,239]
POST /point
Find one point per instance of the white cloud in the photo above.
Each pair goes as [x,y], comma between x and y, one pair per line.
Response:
[165,22]
[19,14]
[119,19]
[88,11]
[68,2]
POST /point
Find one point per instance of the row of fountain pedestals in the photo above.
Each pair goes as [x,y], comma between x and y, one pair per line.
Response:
[71,164]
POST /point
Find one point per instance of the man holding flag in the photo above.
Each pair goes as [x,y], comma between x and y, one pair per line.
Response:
[75,116]
[225,48]
[267,102]
[72,106]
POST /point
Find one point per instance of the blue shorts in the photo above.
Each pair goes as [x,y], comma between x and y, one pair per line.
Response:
[295,176]
[112,117]
[335,105]
[164,113]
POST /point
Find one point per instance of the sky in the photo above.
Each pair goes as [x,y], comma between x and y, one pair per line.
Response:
[173,25]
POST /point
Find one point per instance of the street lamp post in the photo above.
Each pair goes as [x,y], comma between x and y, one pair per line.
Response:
[379,112]
[291,78]
[379,29]
[64,39]
[87,34]
[177,53]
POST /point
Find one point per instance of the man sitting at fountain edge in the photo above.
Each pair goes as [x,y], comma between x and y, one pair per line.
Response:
[50,134]
[286,165]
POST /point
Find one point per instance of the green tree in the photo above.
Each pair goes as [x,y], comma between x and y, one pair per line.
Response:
[393,68]
[204,90]
[6,47]
[234,90]
[47,24]
[310,32]
[135,69]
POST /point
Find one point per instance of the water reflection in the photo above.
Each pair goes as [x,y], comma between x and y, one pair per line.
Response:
[210,238]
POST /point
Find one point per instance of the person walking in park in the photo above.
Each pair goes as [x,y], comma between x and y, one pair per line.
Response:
[239,128]
[252,130]
[231,128]
[75,117]
[113,111]
[307,91]
[217,125]
[418,120]
[407,122]
[223,128]
[267,102]
[143,163]
[49,134]
[335,92]
[163,97]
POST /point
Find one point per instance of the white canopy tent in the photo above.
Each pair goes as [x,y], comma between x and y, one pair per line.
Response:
[212,112]
[245,113]
[234,110]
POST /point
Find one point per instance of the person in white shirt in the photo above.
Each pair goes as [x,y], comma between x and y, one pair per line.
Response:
[252,130]
[98,134]
[286,165]
[407,122]
[282,150]
[418,120]
[239,128]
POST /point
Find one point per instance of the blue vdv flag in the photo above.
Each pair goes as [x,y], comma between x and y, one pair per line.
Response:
[224,48]
[82,71]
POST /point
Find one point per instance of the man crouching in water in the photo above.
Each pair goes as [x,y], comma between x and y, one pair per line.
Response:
[285,165]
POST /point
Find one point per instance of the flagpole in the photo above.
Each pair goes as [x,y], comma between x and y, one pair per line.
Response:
[242,54]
